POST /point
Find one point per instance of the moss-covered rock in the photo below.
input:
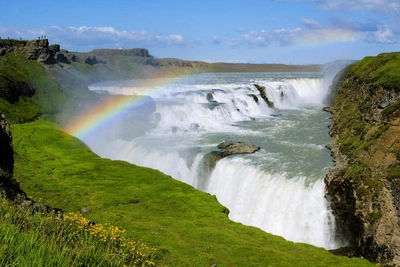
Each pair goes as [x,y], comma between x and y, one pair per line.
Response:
[363,186]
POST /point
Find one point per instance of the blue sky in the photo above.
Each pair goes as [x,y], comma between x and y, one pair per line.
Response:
[249,31]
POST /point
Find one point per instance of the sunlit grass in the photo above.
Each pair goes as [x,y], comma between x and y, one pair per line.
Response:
[381,70]
[186,226]
[57,239]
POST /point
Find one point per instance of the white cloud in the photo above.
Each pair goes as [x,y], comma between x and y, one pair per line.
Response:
[384,6]
[388,10]
[337,31]
[353,25]
[287,37]
[384,36]
[172,39]
[282,37]
[253,38]
[310,23]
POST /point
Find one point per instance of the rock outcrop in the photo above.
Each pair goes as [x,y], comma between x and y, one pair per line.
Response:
[7,153]
[10,45]
[137,52]
[12,90]
[263,94]
[231,148]
[364,185]
[227,148]
[210,98]
[139,55]
[91,60]
[39,49]
[9,187]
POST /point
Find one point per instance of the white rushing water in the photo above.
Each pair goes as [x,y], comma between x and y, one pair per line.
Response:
[279,188]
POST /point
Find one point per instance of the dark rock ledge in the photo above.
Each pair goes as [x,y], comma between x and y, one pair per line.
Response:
[363,187]
[263,95]
[227,148]
[9,187]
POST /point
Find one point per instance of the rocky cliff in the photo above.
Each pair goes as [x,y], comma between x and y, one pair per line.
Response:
[364,185]
[8,186]
[39,50]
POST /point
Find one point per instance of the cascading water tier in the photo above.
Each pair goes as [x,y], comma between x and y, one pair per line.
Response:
[280,188]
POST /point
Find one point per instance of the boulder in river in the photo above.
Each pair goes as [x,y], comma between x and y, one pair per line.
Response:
[227,148]
[263,94]
[231,147]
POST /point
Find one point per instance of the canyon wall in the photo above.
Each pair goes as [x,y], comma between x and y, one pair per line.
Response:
[364,185]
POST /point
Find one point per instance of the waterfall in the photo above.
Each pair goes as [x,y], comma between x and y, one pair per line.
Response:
[280,188]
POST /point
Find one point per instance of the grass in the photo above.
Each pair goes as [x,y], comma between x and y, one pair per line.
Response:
[187,227]
[25,110]
[49,97]
[55,94]
[65,240]
[381,70]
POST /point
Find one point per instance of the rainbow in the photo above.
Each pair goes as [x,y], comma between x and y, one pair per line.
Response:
[111,108]
[328,36]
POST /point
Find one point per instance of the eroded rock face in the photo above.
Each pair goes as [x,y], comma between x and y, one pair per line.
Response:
[364,185]
[39,50]
[137,52]
[7,183]
[6,148]
[91,60]
[263,94]
[231,148]
[11,90]
[9,187]
[139,55]
[227,148]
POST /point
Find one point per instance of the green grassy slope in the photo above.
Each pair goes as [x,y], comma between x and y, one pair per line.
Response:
[51,97]
[186,226]
[381,70]
[17,68]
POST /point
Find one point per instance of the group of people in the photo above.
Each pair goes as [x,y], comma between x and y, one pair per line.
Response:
[40,37]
